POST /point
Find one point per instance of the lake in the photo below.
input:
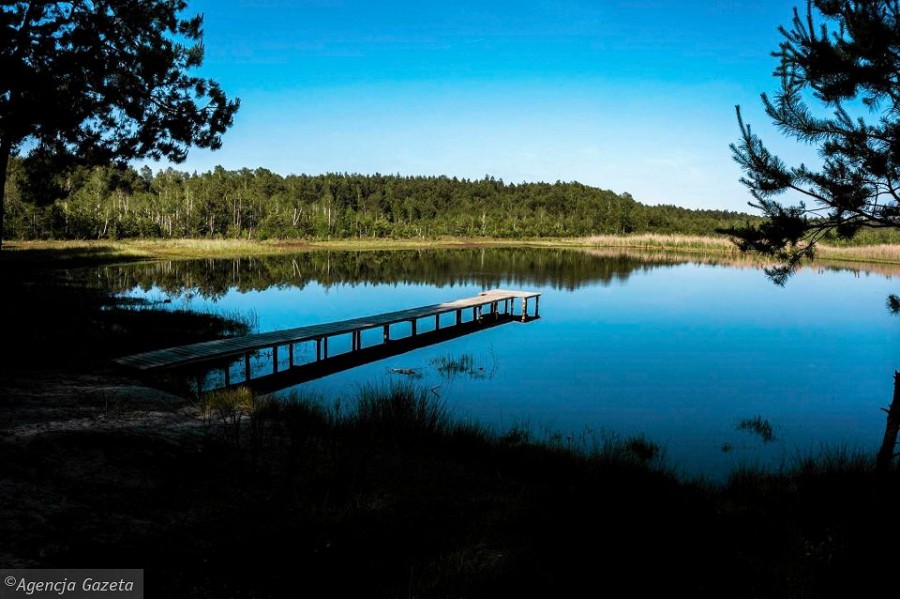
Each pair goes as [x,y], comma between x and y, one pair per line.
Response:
[681,350]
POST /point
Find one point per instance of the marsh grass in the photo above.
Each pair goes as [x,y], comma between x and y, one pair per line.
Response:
[759,426]
[843,469]
[450,366]
[833,461]
[656,241]
[872,253]
[400,408]
[229,407]
[202,248]
[403,412]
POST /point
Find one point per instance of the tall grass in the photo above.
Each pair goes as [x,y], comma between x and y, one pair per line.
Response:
[658,241]
[408,414]
[400,408]
[402,414]
[833,461]
[227,407]
[201,248]
[871,253]
[397,411]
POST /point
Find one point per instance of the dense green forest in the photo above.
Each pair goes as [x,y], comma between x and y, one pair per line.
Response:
[112,202]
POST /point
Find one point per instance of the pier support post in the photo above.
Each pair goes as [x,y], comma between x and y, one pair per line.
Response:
[413,323]
[247,368]
[274,359]
[290,355]
[318,349]
[325,348]
[386,335]
[524,308]
[437,322]
[537,305]
[458,317]
[227,375]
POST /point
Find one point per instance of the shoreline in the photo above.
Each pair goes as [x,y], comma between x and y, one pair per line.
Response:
[187,248]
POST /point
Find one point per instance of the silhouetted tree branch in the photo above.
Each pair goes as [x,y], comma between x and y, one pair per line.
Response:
[844,55]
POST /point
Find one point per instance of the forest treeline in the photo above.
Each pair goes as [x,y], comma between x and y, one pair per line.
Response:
[121,202]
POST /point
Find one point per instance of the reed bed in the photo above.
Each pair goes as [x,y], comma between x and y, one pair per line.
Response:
[868,253]
[657,241]
[200,248]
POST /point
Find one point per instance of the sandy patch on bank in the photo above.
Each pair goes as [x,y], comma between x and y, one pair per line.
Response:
[36,403]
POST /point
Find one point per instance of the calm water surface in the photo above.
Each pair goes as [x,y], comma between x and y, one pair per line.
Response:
[680,351]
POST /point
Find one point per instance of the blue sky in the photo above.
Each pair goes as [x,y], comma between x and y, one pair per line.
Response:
[635,96]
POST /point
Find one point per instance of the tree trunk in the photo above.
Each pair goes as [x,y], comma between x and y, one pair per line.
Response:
[5,148]
[886,453]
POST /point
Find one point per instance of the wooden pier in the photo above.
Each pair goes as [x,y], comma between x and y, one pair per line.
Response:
[487,306]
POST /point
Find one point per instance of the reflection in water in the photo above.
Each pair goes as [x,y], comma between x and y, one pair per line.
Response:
[565,269]
[679,348]
[487,268]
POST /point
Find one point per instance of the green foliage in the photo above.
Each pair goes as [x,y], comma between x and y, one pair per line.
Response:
[112,202]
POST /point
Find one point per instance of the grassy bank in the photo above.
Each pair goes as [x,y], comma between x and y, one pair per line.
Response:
[201,248]
[389,497]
